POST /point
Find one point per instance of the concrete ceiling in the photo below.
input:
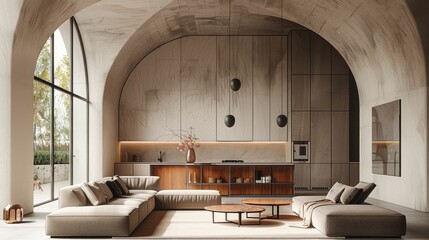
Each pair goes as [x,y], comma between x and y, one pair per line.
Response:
[131,29]
[126,31]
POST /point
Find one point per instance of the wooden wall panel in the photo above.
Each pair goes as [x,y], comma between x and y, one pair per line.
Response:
[150,98]
[278,86]
[320,55]
[234,59]
[302,176]
[261,92]
[300,92]
[300,52]
[320,137]
[340,173]
[321,92]
[300,126]
[198,85]
[223,89]
[340,137]
[340,92]
[320,176]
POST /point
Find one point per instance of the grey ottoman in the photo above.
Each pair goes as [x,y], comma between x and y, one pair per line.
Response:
[360,220]
[186,199]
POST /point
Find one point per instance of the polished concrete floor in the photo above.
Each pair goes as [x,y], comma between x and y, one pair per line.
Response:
[34,225]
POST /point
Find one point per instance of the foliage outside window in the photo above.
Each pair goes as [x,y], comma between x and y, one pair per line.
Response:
[42,107]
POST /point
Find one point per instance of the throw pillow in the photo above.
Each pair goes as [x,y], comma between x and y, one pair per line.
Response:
[114,188]
[366,190]
[80,195]
[123,185]
[335,192]
[104,189]
[95,196]
[348,194]
[120,186]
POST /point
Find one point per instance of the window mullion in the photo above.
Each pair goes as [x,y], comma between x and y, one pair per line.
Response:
[52,148]
[71,123]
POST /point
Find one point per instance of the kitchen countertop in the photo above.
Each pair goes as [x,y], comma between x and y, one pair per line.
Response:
[209,163]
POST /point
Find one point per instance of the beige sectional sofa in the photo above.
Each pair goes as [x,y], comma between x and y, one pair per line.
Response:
[352,220]
[77,216]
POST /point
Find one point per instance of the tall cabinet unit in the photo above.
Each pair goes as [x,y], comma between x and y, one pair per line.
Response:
[320,111]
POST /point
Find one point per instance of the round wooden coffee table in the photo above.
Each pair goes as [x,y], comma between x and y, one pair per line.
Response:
[273,202]
[231,208]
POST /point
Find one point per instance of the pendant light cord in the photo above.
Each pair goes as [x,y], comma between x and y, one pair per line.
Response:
[229,57]
[281,50]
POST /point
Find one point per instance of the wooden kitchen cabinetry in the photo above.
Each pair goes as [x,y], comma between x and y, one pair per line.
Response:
[229,180]
[170,176]
[240,180]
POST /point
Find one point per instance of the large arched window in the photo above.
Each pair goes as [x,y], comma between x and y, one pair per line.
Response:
[60,114]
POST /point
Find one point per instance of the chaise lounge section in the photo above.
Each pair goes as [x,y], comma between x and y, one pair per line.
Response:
[352,220]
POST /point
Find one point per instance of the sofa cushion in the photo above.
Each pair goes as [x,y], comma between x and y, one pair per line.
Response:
[187,199]
[348,194]
[335,192]
[122,184]
[140,204]
[114,188]
[366,191]
[149,197]
[138,182]
[105,189]
[143,191]
[94,195]
[72,196]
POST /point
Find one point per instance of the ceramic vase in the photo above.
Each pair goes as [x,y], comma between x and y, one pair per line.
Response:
[190,156]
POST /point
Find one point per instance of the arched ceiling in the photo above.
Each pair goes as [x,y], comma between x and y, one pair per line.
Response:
[378,39]
[137,30]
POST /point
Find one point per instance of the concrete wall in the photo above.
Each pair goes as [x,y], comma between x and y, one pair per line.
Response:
[20,48]
[384,51]
[9,16]
[419,10]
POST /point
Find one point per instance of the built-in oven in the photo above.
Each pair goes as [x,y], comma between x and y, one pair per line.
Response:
[301,151]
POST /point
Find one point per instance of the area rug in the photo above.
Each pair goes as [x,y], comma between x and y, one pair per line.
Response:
[198,225]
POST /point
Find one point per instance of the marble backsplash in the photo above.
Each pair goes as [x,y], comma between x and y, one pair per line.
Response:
[208,152]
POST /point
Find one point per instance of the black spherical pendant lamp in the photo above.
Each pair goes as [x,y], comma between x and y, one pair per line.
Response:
[229,120]
[282,120]
[235,84]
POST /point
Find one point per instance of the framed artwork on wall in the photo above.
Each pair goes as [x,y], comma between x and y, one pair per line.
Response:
[386,139]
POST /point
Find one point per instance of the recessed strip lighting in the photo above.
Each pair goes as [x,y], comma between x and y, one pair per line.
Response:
[202,142]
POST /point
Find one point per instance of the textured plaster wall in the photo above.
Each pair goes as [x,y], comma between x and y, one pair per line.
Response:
[383,49]
[106,26]
[21,55]
[8,18]
[419,9]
